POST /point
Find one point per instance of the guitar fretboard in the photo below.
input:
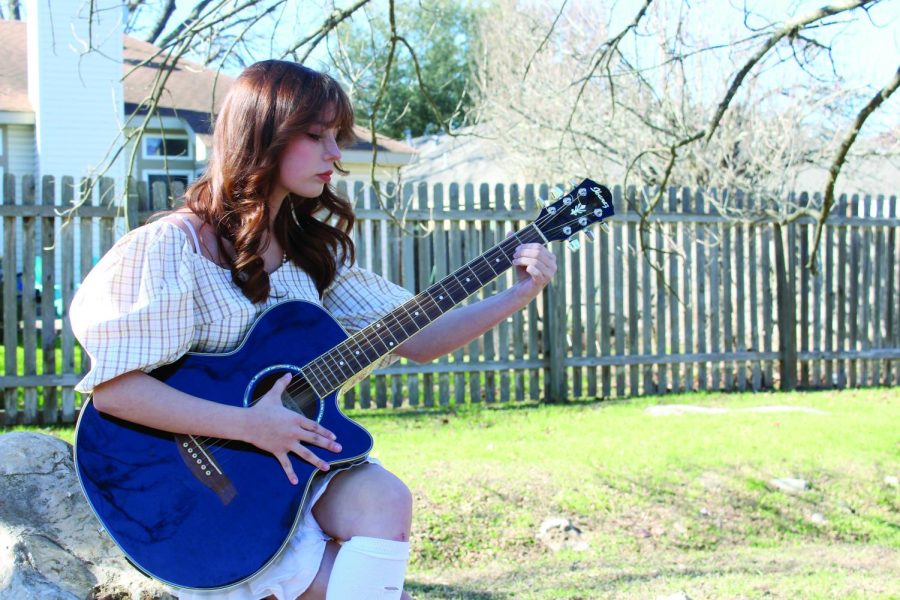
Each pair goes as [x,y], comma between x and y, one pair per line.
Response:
[334,368]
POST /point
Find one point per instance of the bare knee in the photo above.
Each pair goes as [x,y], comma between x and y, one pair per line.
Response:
[366,501]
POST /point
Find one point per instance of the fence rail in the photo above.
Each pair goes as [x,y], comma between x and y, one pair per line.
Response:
[712,304]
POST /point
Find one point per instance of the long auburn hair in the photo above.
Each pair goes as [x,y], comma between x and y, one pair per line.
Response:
[271,103]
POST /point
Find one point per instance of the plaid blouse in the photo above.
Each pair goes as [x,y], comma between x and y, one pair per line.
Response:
[152,298]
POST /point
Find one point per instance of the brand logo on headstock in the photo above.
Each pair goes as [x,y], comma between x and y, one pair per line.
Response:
[600,197]
[579,209]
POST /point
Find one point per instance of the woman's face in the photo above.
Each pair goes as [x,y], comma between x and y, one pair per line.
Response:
[307,163]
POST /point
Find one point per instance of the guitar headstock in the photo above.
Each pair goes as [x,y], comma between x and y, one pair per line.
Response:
[586,204]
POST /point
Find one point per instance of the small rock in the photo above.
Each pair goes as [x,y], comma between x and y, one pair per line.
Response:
[892,481]
[818,518]
[558,533]
[790,485]
[704,512]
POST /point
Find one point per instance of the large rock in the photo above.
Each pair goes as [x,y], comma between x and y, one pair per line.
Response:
[51,545]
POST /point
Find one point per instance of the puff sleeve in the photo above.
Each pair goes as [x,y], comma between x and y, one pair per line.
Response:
[358,297]
[135,309]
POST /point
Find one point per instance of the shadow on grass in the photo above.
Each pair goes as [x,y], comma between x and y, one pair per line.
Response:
[450,592]
[427,412]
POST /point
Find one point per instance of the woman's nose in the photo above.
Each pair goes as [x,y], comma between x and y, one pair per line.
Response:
[332,152]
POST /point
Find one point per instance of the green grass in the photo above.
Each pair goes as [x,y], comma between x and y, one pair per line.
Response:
[665,504]
[38,366]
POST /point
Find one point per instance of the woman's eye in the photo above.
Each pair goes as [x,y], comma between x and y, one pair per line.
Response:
[314,136]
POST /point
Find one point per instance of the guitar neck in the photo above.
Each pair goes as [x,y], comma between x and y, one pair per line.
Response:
[334,368]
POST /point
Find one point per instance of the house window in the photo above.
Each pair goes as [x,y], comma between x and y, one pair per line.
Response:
[168,146]
[167,179]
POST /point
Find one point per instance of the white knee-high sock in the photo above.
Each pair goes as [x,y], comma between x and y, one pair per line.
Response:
[368,569]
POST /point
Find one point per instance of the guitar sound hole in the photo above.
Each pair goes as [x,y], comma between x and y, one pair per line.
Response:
[298,397]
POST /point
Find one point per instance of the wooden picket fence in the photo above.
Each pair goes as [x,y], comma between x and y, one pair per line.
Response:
[712,304]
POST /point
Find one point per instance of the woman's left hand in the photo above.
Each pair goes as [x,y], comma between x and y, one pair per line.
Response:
[535,267]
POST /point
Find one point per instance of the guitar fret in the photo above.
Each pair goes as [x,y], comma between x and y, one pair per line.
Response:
[330,373]
[353,353]
[309,373]
[468,273]
[378,344]
[338,357]
[430,308]
[454,288]
[408,325]
[441,297]
[354,350]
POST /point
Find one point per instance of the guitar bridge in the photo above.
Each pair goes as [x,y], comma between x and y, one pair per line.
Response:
[204,467]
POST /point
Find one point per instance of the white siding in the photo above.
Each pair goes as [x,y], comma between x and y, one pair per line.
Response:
[76,94]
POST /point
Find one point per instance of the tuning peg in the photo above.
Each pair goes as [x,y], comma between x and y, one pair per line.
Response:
[573,243]
[589,235]
[556,193]
[574,181]
[604,226]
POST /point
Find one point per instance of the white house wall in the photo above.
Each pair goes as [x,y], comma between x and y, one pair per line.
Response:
[76,94]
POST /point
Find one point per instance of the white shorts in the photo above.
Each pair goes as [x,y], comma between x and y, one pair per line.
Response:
[293,571]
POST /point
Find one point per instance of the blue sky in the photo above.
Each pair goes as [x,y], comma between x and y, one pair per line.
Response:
[866,50]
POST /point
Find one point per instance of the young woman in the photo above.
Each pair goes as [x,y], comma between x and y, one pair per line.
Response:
[251,234]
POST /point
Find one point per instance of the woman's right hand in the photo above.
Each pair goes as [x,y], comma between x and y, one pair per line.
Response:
[280,431]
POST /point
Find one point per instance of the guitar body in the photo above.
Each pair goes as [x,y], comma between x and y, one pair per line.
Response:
[204,514]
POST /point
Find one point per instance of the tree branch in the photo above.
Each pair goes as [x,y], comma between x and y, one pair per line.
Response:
[334,19]
[838,162]
[162,21]
[789,28]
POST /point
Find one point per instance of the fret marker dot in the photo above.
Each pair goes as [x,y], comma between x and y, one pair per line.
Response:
[390,343]
[496,260]
[467,279]
[342,362]
[357,352]
[416,313]
[377,324]
[440,297]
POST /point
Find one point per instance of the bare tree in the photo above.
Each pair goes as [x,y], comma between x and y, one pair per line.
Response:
[656,102]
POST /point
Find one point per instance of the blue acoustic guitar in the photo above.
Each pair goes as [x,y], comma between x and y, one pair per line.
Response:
[208,514]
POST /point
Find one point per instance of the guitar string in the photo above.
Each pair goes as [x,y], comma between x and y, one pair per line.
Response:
[365,336]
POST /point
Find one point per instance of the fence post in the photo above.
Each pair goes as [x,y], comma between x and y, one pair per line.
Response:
[48,297]
[10,311]
[132,200]
[787,335]
[29,300]
[556,332]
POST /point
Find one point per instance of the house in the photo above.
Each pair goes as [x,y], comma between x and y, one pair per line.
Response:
[64,111]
